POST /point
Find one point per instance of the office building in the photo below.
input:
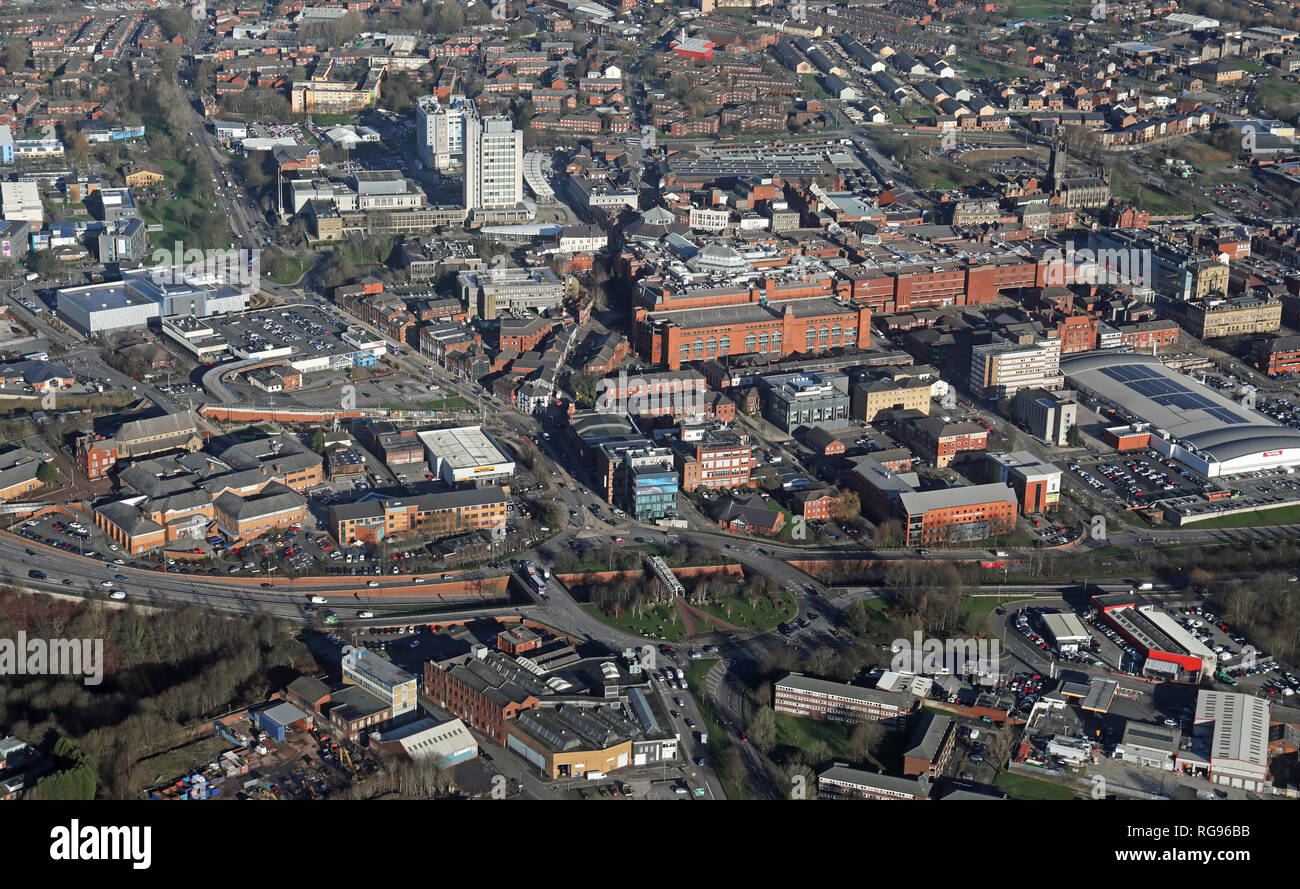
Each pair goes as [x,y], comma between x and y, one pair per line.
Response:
[1049,416]
[494,164]
[440,131]
[811,698]
[843,782]
[1036,482]
[999,370]
[382,678]
[371,521]
[806,399]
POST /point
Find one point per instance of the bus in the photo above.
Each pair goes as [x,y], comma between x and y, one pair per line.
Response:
[536,578]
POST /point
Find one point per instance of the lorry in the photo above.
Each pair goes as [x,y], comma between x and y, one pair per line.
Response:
[681,674]
[702,737]
[365,614]
[317,600]
[595,775]
[1146,586]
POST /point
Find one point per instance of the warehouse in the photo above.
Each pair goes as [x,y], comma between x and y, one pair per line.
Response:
[466,456]
[1232,731]
[1067,631]
[1188,421]
[444,744]
[1156,635]
[275,721]
[144,295]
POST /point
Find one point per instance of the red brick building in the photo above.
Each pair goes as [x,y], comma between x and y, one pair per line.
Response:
[937,441]
[776,330]
[717,461]
[471,690]
[1278,356]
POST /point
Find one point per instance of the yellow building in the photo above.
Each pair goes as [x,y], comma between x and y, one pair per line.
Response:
[549,742]
[870,398]
[1213,318]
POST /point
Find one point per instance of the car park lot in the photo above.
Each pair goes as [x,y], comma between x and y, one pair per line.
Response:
[1135,479]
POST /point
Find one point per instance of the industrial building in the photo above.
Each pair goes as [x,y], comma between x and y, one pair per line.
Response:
[1066,631]
[144,295]
[1236,728]
[1170,651]
[1187,421]
[466,455]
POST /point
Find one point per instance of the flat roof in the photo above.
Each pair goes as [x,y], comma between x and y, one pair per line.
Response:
[1100,693]
[463,447]
[1065,627]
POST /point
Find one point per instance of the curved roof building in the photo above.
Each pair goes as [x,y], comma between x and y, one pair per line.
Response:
[1188,421]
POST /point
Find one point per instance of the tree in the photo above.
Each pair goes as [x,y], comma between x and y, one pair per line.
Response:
[1074,438]
[889,534]
[585,385]
[17,51]
[864,741]
[318,441]
[847,506]
[762,728]
[48,473]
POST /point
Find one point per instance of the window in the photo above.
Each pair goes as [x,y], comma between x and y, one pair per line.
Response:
[712,345]
[724,343]
[762,342]
[699,345]
[749,342]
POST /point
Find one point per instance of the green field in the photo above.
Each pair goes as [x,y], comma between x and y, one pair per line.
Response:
[450,403]
[1024,787]
[1282,515]
[766,616]
[659,622]
[294,269]
[719,740]
[1015,10]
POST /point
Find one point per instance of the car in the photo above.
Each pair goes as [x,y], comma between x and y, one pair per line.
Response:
[106,583]
[372,583]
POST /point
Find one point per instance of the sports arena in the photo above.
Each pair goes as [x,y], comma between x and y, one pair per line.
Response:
[1188,421]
